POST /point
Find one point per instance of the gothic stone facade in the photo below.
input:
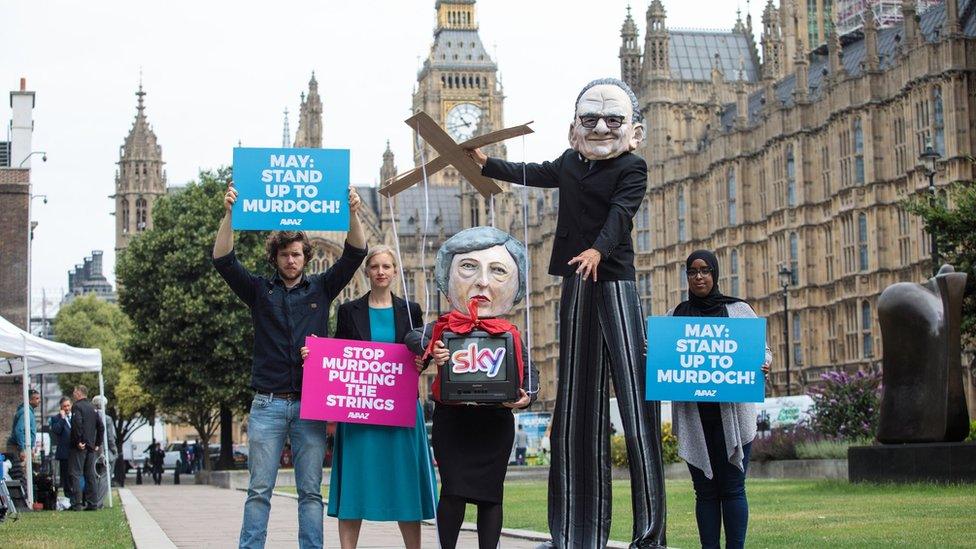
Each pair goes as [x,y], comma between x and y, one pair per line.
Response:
[807,172]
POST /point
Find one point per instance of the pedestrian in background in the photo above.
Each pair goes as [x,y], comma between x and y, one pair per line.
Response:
[87,432]
[60,425]
[156,457]
[521,445]
[18,450]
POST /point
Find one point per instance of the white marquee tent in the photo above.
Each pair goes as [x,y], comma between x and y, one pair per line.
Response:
[23,354]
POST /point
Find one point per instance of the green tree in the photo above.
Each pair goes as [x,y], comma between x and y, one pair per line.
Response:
[952,220]
[192,337]
[90,322]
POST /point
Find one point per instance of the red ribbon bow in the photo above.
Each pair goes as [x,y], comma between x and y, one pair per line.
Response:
[460,323]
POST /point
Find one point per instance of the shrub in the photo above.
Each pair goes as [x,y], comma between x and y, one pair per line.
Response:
[826,448]
[846,406]
[780,443]
[669,448]
[972,431]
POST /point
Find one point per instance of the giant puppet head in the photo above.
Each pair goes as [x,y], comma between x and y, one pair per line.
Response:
[482,264]
[607,122]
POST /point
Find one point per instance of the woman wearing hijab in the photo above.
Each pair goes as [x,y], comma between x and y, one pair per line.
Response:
[714,439]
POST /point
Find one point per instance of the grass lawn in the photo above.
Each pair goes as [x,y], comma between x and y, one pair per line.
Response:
[59,529]
[792,513]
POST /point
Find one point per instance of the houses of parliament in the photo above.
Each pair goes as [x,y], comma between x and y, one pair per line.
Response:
[788,155]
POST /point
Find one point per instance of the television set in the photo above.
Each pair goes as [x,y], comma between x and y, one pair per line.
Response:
[482,368]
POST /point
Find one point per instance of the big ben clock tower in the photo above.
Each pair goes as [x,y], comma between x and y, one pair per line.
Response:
[458,87]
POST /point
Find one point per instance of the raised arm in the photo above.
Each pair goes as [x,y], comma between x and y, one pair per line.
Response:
[237,277]
[224,243]
[356,237]
[544,175]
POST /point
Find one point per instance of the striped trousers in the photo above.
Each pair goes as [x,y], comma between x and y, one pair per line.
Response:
[602,337]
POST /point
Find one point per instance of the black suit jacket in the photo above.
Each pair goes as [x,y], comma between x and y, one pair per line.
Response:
[597,203]
[352,320]
[86,426]
[61,430]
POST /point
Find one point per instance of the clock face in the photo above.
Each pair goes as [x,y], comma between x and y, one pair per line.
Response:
[463,121]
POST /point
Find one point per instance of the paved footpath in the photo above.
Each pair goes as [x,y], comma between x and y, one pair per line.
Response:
[210,517]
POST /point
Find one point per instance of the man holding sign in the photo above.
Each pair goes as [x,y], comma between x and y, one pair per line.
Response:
[714,434]
[285,308]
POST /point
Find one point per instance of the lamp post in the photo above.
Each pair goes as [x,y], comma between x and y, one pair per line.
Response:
[929,158]
[786,279]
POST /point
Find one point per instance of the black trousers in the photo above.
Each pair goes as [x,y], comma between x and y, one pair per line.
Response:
[64,473]
[83,464]
[602,337]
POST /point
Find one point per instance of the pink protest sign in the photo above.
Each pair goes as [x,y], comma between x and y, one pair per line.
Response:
[359,382]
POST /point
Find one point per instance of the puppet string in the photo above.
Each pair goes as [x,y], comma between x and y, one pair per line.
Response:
[528,269]
[396,242]
[491,208]
[423,238]
[423,264]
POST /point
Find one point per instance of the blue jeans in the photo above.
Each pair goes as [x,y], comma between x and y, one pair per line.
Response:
[723,497]
[271,421]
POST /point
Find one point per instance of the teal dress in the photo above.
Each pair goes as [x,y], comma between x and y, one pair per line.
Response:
[380,472]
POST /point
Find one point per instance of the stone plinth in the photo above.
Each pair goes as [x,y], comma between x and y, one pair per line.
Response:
[942,462]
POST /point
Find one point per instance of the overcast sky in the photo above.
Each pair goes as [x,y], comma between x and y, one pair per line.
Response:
[216,72]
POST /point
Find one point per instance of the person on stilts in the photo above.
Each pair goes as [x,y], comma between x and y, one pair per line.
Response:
[602,333]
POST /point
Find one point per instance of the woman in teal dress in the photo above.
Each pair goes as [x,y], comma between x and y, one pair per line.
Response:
[380,473]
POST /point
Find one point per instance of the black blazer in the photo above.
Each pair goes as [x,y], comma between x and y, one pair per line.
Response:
[61,430]
[86,426]
[597,203]
[352,320]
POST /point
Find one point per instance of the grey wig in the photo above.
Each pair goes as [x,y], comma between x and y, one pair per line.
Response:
[635,106]
[478,238]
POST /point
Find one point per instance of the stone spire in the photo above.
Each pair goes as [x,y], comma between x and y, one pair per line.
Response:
[655,44]
[387,172]
[630,54]
[870,41]
[286,132]
[140,179]
[801,69]
[835,53]
[388,169]
[309,132]
[772,43]
[952,18]
[741,98]
[739,27]
[908,13]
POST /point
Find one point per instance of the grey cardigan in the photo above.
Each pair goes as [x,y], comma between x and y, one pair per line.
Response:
[738,419]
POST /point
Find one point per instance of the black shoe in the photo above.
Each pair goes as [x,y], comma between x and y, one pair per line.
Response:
[76,508]
[91,508]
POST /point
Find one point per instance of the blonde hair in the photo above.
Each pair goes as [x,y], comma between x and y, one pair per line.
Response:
[377,250]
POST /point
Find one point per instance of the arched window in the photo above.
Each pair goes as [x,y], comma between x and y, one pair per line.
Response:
[858,153]
[734,273]
[938,121]
[125,216]
[142,214]
[862,241]
[790,177]
[867,342]
[795,257]
[682,235]
[730,191]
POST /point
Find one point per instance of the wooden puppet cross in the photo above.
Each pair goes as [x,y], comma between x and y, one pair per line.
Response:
[451,154]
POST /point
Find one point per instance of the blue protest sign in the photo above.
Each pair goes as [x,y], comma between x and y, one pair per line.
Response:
[713,359]
[291,189]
